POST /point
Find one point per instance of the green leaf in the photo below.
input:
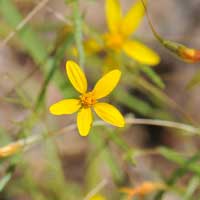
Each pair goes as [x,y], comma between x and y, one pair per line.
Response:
[178,158]
[107,155]
[194,81]
[153,76]
[34,46]
[9,172]
[59,187]
[4,181]
[191,188]
[133,102]
[53,67]
[181,171]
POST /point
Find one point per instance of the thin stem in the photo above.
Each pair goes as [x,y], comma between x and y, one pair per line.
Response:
[155,33]
[25,143]
[169,124]
[24,22]
[93,192]
[58,15]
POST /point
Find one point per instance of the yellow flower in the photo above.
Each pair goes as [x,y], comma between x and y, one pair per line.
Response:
[98,197]
[88,100]
[121,28]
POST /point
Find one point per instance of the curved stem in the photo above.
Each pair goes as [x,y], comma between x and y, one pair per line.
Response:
[25,143]
[164,123]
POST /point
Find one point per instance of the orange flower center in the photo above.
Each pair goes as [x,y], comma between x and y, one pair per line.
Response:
[88,99]
[114,40]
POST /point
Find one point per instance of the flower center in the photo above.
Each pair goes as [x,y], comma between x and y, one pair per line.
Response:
[88,99]
[114,40]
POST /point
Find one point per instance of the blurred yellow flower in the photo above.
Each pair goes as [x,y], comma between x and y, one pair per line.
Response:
[91,46]
[88,100]
[121,28]
[143,189]
[98,197]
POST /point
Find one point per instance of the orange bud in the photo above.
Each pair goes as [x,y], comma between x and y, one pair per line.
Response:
[143,189]
[189,55]
[9,150]
[184,53]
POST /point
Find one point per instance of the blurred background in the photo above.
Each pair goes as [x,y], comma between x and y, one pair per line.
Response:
[67,166]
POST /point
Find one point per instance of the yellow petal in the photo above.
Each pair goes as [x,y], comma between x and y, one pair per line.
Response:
[109,114]
[67,106]
[106,84]
[84,121]
[132,19]
[76,76]
[97,197]
[113,14]
[141,53]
